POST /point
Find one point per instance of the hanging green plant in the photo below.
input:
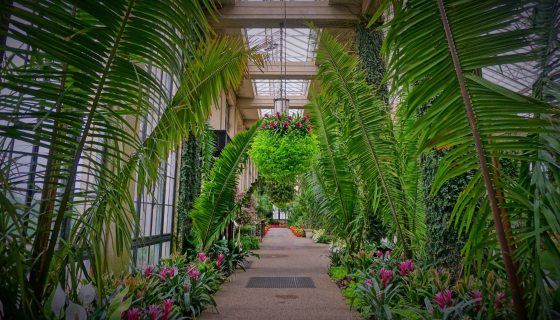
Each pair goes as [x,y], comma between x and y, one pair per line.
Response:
[279,192]
[284,146]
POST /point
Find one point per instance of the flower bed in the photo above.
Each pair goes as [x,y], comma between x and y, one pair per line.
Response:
[297,231]
[178,287]
[381,286]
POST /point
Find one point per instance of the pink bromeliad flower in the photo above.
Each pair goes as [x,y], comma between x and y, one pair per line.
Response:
[163,272]
[444,299]
[305,118]
[272,125]
[386,276]
[220,259]
[368,282]
[148,271]
[153,312]
[193,272]
[133,314]
[278,115]
[406,267]
[379,253]
[202,256]
[500,299]
[477,297]
[167,308]
[285,125]
[298,124]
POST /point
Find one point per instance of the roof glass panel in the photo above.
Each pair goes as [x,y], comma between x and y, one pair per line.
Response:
[265,87]
[300,42]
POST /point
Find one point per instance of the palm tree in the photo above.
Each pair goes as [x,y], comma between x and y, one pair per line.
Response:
[485,124]
[80,98]
[367,139]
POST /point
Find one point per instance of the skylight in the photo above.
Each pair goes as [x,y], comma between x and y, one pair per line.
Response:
[265,87]
[300,42]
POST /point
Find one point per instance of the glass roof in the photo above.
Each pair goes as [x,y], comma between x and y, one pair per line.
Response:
[300,42]
[265,87]
[291,112]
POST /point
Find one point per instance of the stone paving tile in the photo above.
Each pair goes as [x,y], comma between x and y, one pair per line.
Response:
[283,255]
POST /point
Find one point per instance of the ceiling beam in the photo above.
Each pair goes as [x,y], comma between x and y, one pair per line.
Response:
[294,70]
[298,14]
[267,102]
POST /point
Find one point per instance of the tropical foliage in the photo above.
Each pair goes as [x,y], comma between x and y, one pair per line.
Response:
[361,156]
[485,124]
[85,91]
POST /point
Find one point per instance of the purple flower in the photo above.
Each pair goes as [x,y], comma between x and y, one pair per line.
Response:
[477,297]
[278,115]
[148,271]
[386,276]
[153,312]
[500,299]
[202,256]
[167,308]
[193,272]
[368,282]
[444,299]
[163,272]
[133,314]
[406,267]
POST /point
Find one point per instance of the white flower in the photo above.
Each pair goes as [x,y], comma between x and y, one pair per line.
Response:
[87,294]
[58,301]
[75,312]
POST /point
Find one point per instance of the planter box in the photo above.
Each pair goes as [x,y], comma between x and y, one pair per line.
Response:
[308,233]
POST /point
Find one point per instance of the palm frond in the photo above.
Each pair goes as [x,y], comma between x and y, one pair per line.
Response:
[217,200]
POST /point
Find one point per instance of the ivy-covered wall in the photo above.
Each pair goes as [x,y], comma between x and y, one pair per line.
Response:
[190,177]
[368,47]
[442,243]
[368,43]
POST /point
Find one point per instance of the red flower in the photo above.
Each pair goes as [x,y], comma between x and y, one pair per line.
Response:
[272,124]
[298,124]
[309,128]
[278,115]
[286,124]
[290,118]
[305,118]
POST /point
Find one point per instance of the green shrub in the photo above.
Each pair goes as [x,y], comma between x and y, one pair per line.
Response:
[338,273]
[250,243]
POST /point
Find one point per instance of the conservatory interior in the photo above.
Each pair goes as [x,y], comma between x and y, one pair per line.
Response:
[280,159]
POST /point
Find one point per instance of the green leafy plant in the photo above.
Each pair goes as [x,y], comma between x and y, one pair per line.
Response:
[284,147]
[250,243]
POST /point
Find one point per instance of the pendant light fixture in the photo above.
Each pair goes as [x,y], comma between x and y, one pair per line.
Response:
[281,102]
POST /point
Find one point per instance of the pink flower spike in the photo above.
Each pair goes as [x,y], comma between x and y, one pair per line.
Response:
[305,118]
[272,124]
[202,256]
[299,124]
[167,308]
[133,314]
[148,271]
[444,299]
[278,115]
[368,282]
[220,259]
[193,272]
[406,267]
[153,312]
[286,124]
[477,297]
[163,272]
[386,276]
[500,299]
[379,253]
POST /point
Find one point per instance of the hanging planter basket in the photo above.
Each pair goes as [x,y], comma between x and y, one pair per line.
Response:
[284,147]
[280,192]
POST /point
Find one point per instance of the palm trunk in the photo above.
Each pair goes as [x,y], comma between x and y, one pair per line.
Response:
[511,270]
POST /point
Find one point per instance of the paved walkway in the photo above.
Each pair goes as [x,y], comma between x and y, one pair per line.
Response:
[283,255]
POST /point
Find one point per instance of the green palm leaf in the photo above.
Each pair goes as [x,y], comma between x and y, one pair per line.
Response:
[371,142]
[217,200]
